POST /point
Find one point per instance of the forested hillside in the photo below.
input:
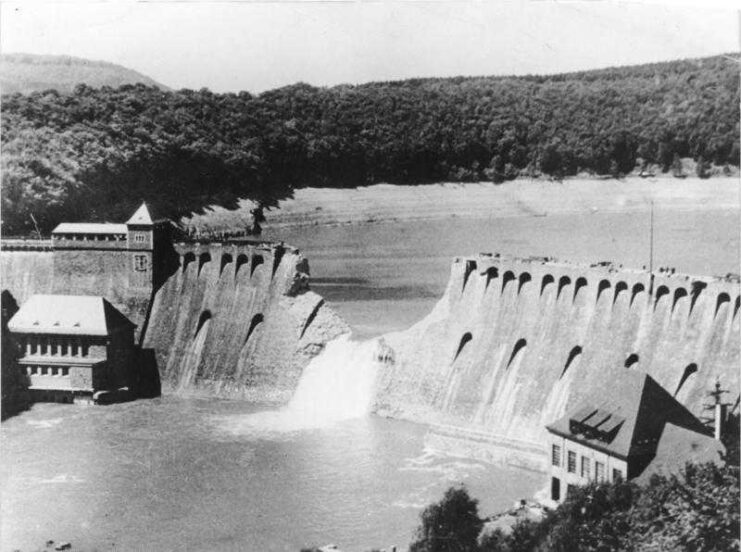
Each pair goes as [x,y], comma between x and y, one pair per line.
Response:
[93,154]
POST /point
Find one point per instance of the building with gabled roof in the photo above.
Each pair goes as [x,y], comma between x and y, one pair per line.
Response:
[639,430]
[73,346]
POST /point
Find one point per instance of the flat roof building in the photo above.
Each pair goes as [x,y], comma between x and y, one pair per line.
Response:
[639,430]
[73,346]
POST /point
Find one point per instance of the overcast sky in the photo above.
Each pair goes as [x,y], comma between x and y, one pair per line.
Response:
[231,46]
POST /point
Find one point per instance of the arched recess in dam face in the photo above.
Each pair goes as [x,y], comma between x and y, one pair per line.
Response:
[203,260]
[638,289]
[257,260]
[573,354]
[226,259]
[547,280]
[631,360]
[470,267]
[563,281]
[242,260]
[580,283]
[188,258]
[491,274]
[602,286]
[524,279]
[688,371]
[507,278]
[517,351]
[723,299]
[465,339]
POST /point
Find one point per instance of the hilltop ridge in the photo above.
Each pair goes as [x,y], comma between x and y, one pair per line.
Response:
[26,73]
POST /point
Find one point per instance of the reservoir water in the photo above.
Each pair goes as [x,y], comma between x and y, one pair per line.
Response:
[187,474]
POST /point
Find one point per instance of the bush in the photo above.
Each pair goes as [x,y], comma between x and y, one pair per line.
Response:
[451,525]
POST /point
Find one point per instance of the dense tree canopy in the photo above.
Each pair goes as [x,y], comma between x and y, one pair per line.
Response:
[95,153]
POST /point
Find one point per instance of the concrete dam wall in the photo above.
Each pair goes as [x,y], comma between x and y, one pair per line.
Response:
[515,343]
[225,320]
[238,321]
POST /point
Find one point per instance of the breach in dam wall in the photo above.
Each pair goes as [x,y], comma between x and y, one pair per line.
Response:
[238,320]
[514,343]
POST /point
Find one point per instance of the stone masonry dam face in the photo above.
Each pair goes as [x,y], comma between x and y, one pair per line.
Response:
[514,344]
[238,321]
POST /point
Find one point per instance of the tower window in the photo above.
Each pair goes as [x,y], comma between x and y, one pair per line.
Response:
[140,263]
[140,238]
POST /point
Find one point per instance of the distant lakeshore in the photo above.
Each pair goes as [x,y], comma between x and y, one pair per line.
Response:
[523,197]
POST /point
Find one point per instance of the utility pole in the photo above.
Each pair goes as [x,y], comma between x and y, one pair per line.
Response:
[719,409]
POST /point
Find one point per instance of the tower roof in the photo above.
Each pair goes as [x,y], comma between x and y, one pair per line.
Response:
[141,216]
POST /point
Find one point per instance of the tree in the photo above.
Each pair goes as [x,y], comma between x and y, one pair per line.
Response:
[451,525]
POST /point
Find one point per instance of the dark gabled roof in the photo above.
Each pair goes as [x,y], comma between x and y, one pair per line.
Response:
[68,315]
[679,445]
[631,421]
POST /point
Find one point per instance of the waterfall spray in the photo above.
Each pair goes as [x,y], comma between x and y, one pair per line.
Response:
[338,384]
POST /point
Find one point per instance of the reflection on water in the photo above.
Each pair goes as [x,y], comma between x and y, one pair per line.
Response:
[166,474]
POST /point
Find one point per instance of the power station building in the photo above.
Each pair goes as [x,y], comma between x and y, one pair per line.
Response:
[72,347]
[640,430]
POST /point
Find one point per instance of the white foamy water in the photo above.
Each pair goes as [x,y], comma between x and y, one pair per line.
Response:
[338,384]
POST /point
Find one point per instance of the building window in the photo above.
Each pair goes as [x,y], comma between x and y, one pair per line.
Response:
[570,489]
[140,263]
[572,462]
[140,238]
[555,488]
[585,467]
[65,371]
[556,455]
[599,471]
[617,475]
